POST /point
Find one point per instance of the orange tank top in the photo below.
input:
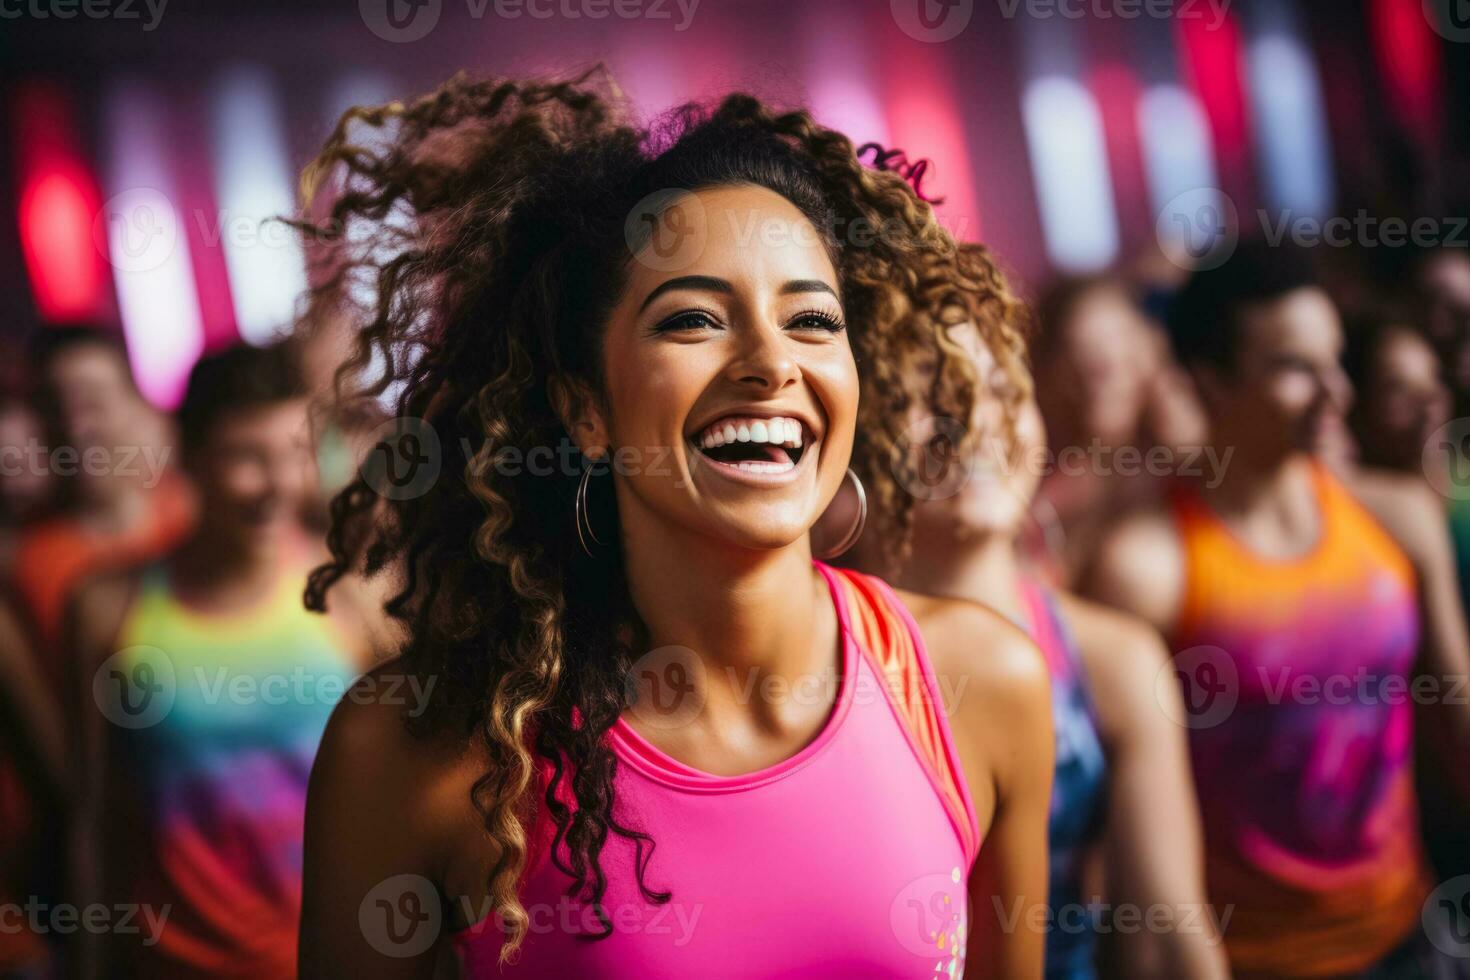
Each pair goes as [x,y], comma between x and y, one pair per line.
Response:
[1297,679]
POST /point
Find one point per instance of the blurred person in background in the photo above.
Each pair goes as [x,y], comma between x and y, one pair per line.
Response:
[1402,395]
[1104,381]
[214,684]
[1299,609]
[34,791]
[1122,791]
[1439,290]
[1399,421]
[125,503]
[33,795]
[27,486]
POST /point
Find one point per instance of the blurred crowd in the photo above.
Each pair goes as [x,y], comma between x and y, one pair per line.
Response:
[166,554]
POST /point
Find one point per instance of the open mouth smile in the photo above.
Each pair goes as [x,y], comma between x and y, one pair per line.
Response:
[753,446]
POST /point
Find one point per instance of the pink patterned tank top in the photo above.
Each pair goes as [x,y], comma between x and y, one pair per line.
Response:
[848,859]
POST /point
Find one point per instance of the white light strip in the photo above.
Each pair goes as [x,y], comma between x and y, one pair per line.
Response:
[253,185]
[1069,163]
[1291,127]
[1178,154]
[148,246]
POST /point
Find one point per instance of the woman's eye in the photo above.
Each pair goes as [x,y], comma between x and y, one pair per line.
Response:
[688,320]
[816,320]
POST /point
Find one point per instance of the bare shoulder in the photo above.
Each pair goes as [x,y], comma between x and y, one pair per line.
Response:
[1139,566]
[366,724]
[997,695]
[372,768]
[969,639]
[386,804]
[1121,656]
[1407,507]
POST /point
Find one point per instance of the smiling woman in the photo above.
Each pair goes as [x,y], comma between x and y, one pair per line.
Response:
[653,747]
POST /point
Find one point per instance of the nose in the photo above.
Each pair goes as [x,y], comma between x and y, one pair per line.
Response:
[764,360]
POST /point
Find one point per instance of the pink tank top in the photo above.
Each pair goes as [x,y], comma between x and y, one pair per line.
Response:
[849,859]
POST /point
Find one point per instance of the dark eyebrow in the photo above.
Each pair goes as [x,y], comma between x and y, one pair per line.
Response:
[714,285]
[808,286]
[707,283]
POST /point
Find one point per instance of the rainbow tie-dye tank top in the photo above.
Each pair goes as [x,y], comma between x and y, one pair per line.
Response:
[213,741]
[1296,675]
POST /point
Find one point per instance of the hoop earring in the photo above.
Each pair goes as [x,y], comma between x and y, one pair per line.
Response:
[582,515]
[856,531]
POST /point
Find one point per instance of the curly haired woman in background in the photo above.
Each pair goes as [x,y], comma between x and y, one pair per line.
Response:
[1122,796]
[663,740]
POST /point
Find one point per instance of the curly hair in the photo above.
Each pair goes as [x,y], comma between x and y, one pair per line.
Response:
[478,244]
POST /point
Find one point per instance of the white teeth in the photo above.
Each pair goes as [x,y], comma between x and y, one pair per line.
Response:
[776,432]
[759,466]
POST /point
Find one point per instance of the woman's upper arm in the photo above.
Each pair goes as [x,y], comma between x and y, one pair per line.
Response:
[371,902]
[1152,849]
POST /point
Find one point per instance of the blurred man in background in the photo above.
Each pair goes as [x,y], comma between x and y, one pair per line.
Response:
[1399,422]
[214,684]
[125,503]
[92,491]
[1299,609]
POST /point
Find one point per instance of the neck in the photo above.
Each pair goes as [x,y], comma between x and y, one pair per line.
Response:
[746,614]
[1271,506]
[223,562]
[985,571]
[1255,482]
